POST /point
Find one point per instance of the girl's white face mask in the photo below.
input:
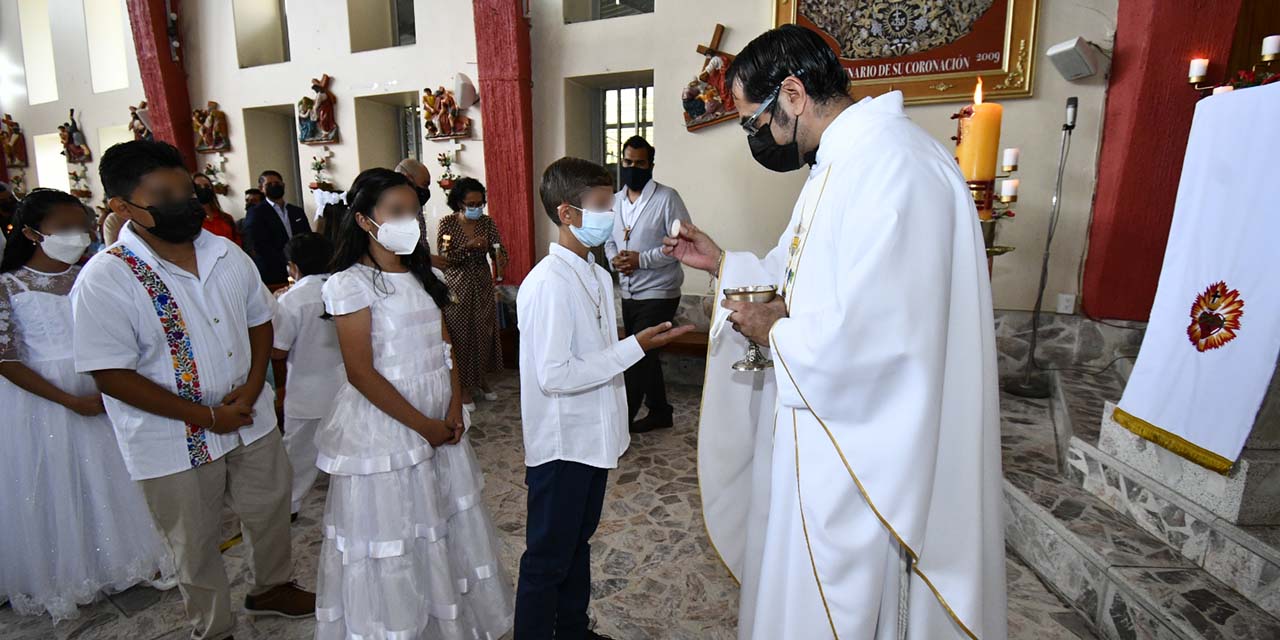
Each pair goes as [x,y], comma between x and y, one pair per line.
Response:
[400,236]
[64,247]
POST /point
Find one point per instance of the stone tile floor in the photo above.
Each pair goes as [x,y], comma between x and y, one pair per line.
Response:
[655,575]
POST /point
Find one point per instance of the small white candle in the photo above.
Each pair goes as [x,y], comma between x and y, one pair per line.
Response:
[675,229]
[1009,187]
[1199,68]
[1011,157]
[1271,45]
[1223,89]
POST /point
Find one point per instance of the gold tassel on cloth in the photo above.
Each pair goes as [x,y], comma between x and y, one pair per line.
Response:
[1176,444]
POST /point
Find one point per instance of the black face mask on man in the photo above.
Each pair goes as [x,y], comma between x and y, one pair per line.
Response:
[424,194]
[275,190]
[175,222]
[204,194]
[779,157]
[636,177]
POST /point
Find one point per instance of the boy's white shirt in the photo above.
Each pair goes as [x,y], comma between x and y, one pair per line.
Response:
[315,361]
[116,327]
[572,396]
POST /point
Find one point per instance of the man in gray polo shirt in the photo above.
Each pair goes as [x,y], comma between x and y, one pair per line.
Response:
[644,211]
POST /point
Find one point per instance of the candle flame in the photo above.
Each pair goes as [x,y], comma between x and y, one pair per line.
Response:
[977,93]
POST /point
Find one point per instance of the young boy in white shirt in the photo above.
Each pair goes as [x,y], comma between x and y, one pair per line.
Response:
[573,400]
[305,359]
[175,327]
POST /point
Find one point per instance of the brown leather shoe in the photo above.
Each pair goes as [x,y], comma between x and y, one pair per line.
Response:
[285,601]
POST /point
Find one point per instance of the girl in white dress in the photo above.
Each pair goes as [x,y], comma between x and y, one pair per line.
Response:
[409,549]
[74,523]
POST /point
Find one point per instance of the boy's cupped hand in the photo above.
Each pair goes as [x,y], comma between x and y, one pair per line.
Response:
[659,336]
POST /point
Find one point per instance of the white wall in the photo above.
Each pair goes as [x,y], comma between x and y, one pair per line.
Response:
[744,206]
[94,111]
[320,43]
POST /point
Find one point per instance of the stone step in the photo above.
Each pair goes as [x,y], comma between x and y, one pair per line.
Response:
[1127,583]
[1246,559]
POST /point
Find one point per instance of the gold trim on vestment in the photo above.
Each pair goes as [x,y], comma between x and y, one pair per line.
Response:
[804,526]
[702,405]
[788,276]
[865,496]
[1172,442]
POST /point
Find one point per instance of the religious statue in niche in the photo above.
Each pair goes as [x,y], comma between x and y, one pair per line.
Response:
[140,122]
[14,143]
[707,100]
[74,145]
[442,117]
[316,122]
[210,124]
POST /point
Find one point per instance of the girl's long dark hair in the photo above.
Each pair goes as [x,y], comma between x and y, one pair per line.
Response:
[352,242]
[31,213]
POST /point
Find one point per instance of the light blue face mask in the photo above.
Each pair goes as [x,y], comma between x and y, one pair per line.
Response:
[596,227]
[474,213]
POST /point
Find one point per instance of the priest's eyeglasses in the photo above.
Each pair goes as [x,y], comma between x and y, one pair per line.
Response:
[750,124]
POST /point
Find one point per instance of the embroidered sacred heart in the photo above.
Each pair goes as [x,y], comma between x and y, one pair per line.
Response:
[1215,317]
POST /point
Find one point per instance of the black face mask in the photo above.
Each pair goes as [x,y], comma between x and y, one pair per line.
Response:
[275,190]
[779,157]
[204,194]
[636,178]
[175,222]
[424,194]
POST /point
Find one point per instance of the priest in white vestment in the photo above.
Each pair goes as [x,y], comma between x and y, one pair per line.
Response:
[854,489]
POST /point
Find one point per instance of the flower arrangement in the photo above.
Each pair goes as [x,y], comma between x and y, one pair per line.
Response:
[215,175]
[320,178]
[446,181]
[80,183]
[1246,78]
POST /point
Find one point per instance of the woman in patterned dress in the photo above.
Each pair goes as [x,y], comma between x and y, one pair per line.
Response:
[467,239]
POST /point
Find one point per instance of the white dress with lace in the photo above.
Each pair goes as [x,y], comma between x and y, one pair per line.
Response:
[73,522]
[409,550]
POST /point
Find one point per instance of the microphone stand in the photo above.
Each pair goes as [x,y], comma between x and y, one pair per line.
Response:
[1033,384]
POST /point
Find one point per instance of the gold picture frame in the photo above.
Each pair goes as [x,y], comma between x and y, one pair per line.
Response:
[948,72]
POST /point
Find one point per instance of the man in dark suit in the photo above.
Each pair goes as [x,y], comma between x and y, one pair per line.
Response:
[270,225]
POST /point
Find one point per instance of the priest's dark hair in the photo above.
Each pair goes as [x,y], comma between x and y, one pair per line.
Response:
[788,50]
[352,243]
[123,165]
[638,142]
[565,182]
[31,213]
[460,190]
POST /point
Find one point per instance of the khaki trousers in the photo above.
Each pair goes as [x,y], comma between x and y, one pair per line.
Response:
[187,507]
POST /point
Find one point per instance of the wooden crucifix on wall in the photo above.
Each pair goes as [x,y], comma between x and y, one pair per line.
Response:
[707,100]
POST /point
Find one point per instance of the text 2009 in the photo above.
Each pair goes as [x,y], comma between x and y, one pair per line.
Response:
[993,56]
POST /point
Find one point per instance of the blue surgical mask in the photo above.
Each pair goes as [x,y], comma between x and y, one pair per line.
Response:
[596,227]
[474,213]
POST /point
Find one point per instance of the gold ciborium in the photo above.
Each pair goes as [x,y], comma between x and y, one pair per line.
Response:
[755,360]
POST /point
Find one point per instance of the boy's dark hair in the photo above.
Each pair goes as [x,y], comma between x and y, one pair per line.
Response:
[566,180]
[254,192]
[123,165]
[262,177]
[638,142]
[460,190]
[788,50]
[311,252]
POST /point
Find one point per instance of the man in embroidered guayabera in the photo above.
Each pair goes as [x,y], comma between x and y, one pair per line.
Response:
[854,487]
[174,324]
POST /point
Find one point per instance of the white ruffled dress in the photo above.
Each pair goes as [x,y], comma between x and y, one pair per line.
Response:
[409,550]
[72,522]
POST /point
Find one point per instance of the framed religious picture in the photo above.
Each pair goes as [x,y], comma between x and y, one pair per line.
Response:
[931,50]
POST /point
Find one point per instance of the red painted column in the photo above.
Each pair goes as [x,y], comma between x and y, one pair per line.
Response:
[1148,116]
[163,80]
[506,106]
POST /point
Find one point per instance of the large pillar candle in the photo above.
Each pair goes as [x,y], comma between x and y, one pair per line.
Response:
[979,138]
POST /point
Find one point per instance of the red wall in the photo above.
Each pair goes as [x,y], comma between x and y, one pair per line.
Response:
[1148,116]
[506,105]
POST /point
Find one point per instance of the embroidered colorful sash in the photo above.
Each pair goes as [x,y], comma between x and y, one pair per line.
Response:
[175,332]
